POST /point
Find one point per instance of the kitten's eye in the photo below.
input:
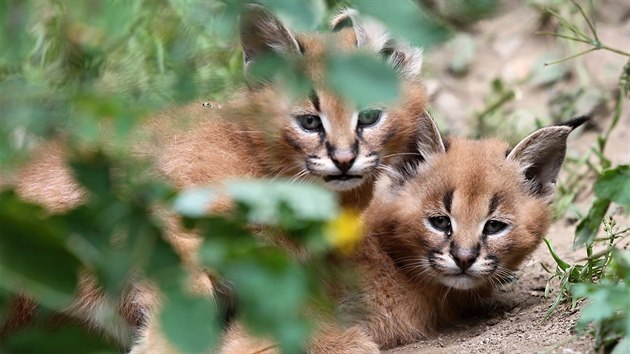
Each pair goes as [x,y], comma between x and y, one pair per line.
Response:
[369,117]
[442,223]
[310,122]
[493,227]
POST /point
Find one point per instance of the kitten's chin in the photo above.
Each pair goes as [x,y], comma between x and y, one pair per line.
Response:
[343,185]
[461,282]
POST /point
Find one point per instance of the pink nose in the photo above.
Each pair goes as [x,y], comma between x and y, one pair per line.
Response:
[343,159]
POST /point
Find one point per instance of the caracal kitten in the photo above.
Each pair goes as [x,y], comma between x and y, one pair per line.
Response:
[441,234]
[262,132]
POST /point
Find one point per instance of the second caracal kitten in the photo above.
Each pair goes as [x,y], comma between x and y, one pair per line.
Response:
[442,231]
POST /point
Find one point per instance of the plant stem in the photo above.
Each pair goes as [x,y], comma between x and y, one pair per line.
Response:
[572,56]
[614,50]
[588,21]
[565,37]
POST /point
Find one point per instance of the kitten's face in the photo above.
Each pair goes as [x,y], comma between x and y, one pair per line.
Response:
[466,220]
[323,137]
[342,146]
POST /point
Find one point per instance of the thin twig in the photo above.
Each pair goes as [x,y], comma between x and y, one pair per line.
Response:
[572,56]
[588,21]
[555,34]
[568,25]
[614,50]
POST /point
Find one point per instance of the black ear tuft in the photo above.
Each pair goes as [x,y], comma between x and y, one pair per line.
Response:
[575,122]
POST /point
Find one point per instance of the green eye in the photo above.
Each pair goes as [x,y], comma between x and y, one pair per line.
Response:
[369,117]
[309,122]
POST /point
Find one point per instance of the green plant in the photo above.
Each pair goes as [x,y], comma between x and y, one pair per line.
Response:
[602,278]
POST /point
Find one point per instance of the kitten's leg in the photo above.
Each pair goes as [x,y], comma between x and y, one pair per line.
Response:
[349,341]
[331,341]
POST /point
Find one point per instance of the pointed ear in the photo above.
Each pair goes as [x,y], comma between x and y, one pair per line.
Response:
[263,33]
[372,35]
[427,145]
[541,154]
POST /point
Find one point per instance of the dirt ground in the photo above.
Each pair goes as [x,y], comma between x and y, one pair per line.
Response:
[507,47]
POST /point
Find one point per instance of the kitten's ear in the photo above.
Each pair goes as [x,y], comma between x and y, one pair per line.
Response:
[541,154]
[263,33]
[427,145]
[372,35]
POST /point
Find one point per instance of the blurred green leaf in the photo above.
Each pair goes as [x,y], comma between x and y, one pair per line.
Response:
[194,202]
[56,340]
[614,184]
[265,198]
[363,79]
[190,322]
[303,15]
[622,347]
[408,20]
[285,288]
[33,256]
[463,52]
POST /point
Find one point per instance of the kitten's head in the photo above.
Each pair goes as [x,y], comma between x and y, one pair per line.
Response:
[471,211]
[323,136]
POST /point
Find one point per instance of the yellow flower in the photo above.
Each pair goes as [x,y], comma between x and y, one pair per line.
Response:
[345,231]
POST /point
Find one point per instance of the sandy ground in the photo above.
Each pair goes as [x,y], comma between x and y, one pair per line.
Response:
[506,47]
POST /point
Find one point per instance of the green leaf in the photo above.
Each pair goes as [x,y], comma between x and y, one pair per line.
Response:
[278,312]
[265,200]
[194,202]
[621,263]
[559,261]
[599,308]
[56,340]
[587,229]
[623,347]
[614,184]
[363,79]
[190,322]
[462,48]
[408,20]
[93,172]
[303,15]
[33,257]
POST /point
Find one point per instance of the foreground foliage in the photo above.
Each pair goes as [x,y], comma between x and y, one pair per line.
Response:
[70,68]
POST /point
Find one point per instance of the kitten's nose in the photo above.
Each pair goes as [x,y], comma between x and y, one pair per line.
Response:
[464,258]
[343,159]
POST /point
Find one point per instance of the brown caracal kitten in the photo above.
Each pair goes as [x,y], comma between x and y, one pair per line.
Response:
[262,132]
[441,233]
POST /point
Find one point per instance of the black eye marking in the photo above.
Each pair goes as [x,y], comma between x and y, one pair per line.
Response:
[369,117]
[448,200]
[315,100]
[493,227]
[310,122]
[293,143]
[494,203]
[442,223]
